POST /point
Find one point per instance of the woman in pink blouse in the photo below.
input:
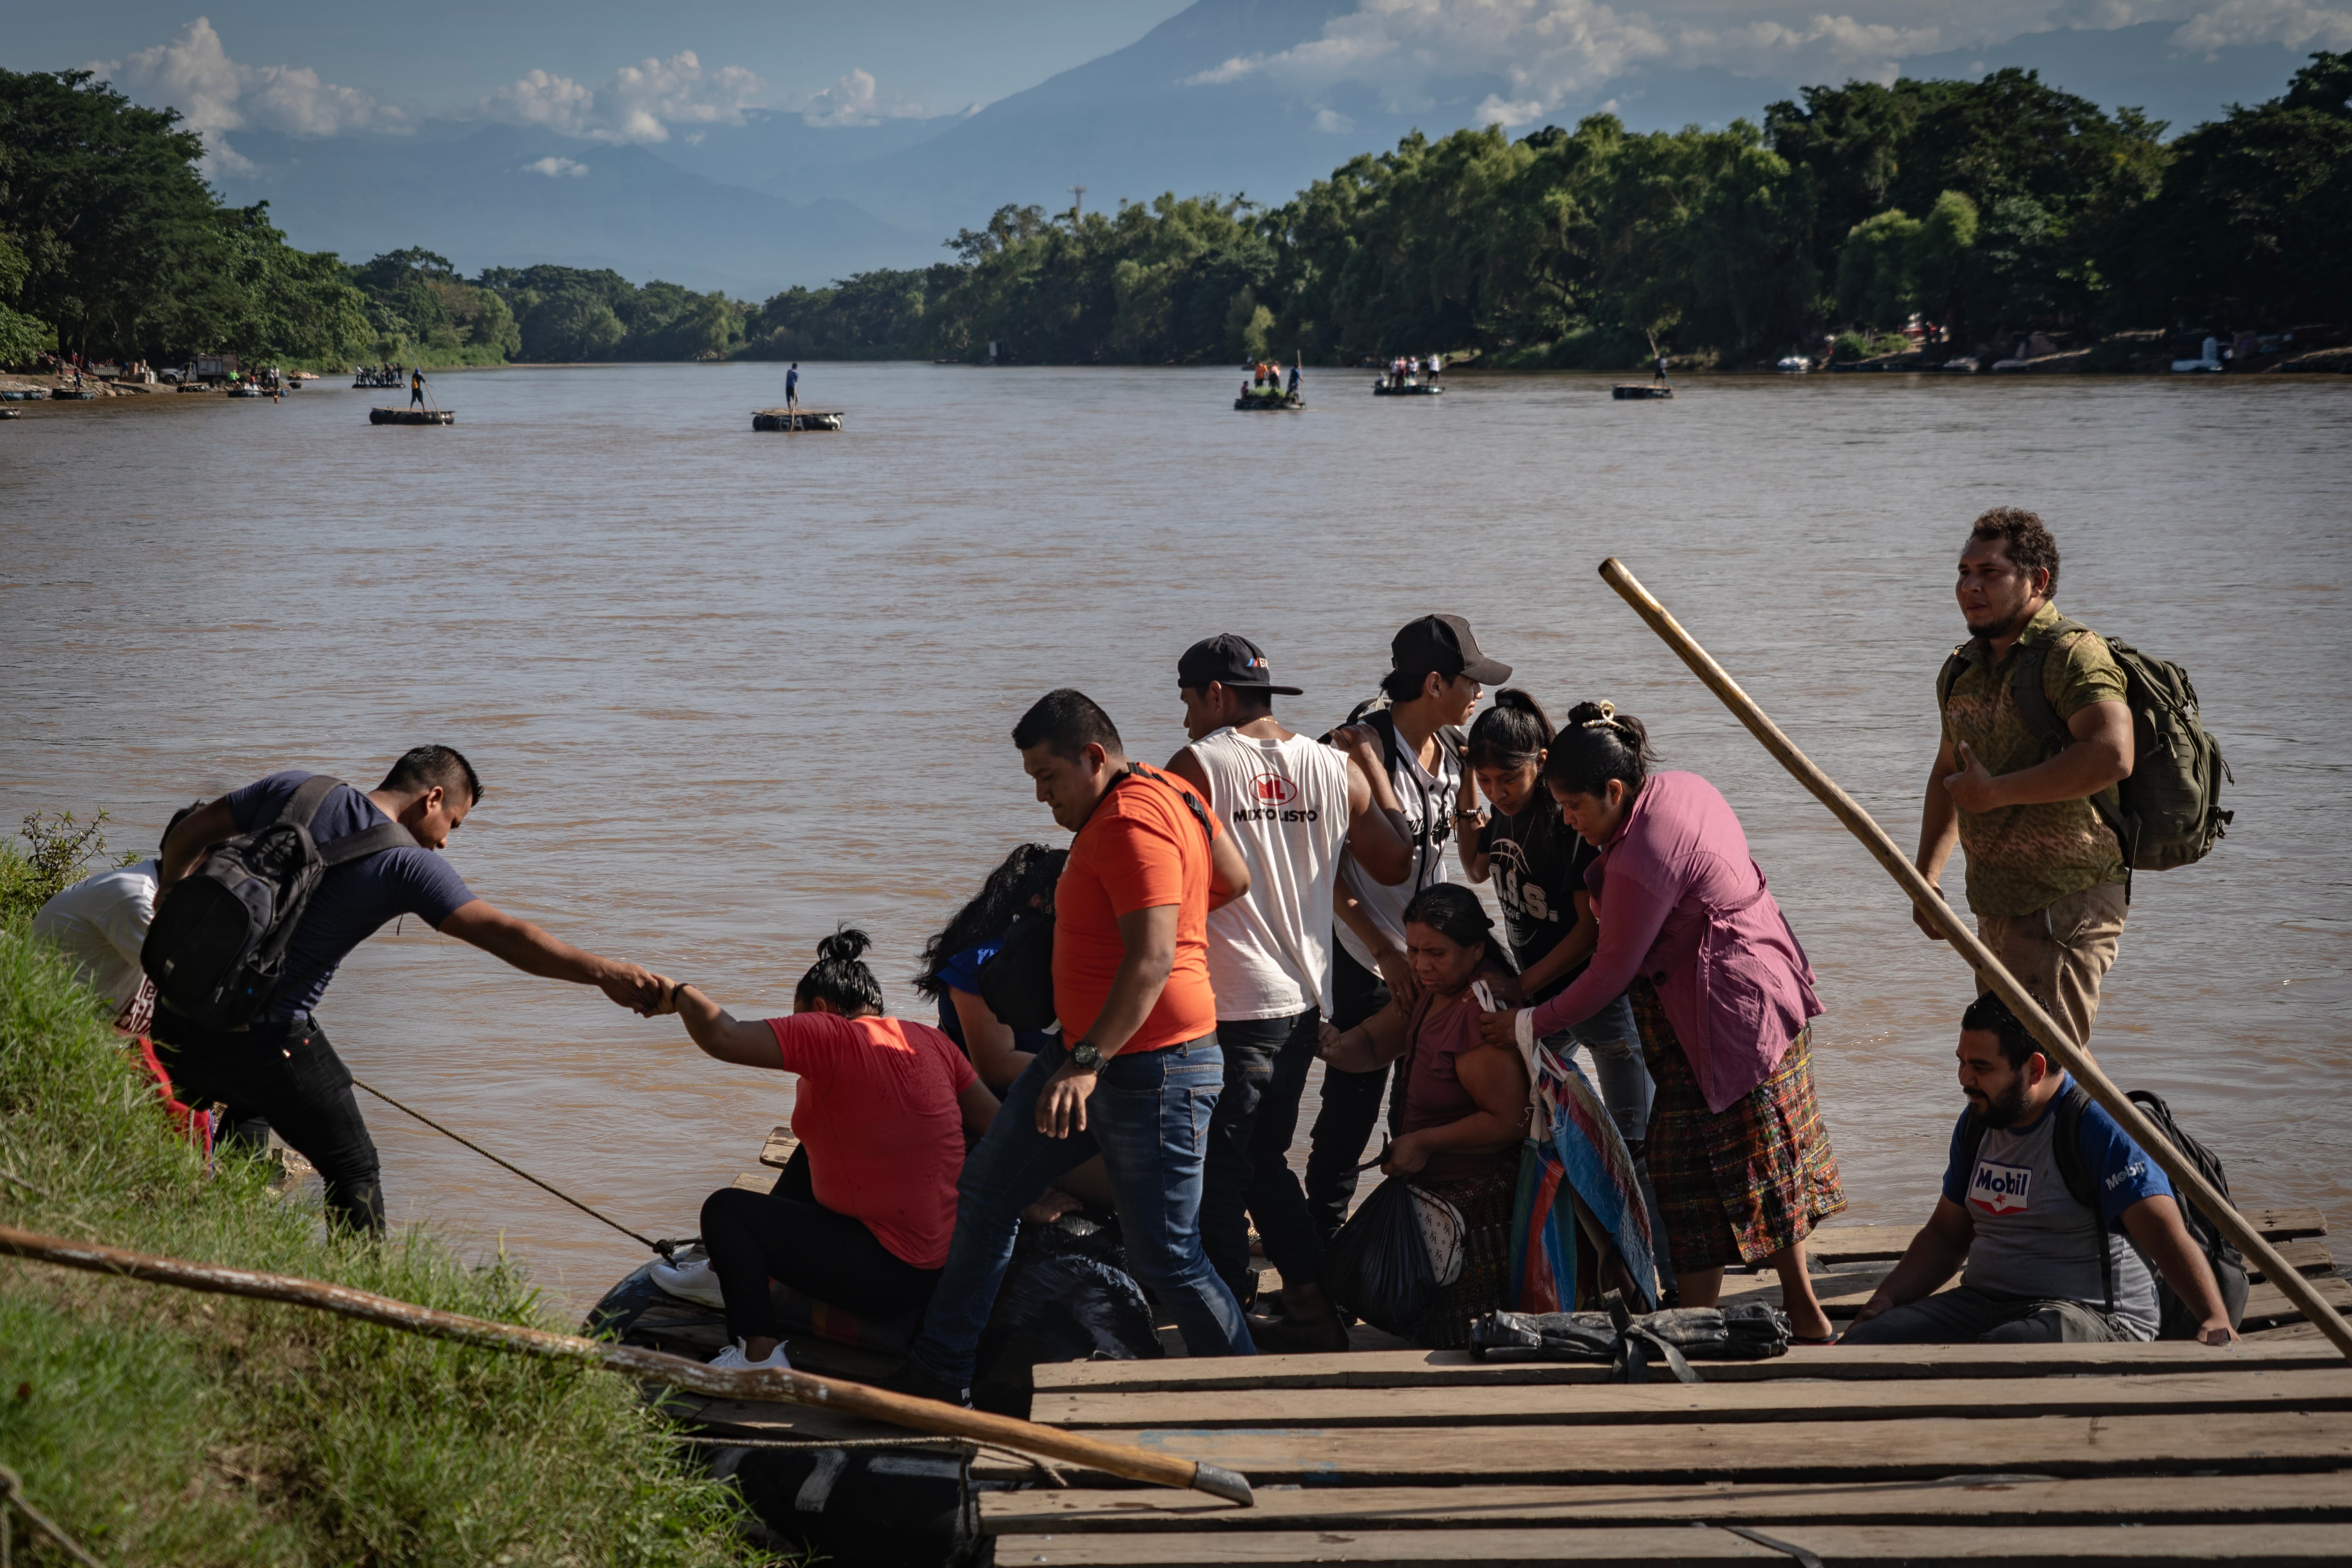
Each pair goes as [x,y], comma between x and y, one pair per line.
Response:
[1723,996]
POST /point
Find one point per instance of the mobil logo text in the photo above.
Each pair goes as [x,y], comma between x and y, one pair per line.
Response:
[1997,1188]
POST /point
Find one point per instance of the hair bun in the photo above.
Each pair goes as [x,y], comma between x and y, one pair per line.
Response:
[847,945]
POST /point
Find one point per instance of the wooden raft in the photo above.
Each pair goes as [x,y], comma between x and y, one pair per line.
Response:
[1640,390]
[1881,1455]
[796,418]
[412,416]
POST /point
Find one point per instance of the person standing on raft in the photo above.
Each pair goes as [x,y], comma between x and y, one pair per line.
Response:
[416,388]
[1723,997]
[792,385]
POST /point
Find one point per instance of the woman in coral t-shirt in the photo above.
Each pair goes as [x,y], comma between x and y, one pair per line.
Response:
[861,1217]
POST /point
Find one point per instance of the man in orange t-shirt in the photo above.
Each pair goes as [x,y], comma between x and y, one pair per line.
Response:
[1137,1070]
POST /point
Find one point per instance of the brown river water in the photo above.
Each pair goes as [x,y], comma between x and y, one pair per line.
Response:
[727,689]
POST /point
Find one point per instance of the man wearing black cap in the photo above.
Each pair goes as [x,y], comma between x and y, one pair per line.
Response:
[1290,804]
[1436,678]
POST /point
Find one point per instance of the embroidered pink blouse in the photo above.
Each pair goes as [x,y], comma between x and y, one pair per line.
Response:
[1679,899]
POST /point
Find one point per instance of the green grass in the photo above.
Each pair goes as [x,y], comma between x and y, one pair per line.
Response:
[161,1426]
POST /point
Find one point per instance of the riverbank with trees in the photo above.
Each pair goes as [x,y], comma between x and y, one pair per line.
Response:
[1974,216]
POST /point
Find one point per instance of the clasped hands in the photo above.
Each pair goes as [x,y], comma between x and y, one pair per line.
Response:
[639,989]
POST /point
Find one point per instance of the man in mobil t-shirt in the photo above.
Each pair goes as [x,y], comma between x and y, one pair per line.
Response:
[280,1071]
[2042,1265]
[1290,804]
[1136,1071]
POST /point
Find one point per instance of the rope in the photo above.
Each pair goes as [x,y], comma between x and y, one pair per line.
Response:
[12,1493]
[665,1248]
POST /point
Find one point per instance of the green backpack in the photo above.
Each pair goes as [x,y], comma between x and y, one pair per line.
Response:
[2168,812]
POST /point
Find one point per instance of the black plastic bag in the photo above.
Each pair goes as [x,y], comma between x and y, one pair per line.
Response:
[1744,1330]
[1378,1267]
[1018,983]
[1062,1306]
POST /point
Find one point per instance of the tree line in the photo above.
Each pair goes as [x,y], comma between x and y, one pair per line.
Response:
[1986,207]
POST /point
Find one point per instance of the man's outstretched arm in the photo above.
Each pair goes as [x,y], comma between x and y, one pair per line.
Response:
[532,951]
[2156,1224]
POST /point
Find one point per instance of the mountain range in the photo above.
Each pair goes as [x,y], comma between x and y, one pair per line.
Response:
[777,200]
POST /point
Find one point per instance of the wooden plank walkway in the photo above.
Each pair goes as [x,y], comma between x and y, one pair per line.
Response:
[1982,1454]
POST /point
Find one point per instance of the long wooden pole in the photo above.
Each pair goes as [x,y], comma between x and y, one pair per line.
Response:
[2187,1179]
[654,1366]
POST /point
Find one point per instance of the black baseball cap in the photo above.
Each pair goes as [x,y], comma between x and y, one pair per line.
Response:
[1443,644]
[1235,661]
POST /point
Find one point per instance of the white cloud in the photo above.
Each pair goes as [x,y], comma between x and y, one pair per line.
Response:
[640,104]
[2297,24]
[214,94]
[854,99]
[557,168]
[1546,51]
[1333,122]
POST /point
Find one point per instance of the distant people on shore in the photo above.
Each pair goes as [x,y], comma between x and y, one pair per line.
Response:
[1462,1112]
[2057,1240]
[1723,998]
[861,1216]
[1138,1066]
[1411,751]
[2045,872]
[1291,807]
[280,1072]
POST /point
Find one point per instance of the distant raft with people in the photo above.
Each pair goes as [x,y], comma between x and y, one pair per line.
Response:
[1407,389]
[412,416]
[796,418]
[1276,401]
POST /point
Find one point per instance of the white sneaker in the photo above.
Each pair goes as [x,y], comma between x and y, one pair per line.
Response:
[734,1358]
[695,1281]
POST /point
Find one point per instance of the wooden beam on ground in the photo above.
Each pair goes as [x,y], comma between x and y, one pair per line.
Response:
[1432,1369]
[1704,1546]
[1842,1293]
[1986,1502]
[2272,1442]
[1668,1401]
[1835,1243]
[779,1149]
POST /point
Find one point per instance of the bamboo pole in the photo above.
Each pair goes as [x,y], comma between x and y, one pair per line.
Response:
[2186,1178]
[654,1366]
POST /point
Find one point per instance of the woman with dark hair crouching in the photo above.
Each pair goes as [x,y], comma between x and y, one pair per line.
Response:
[1020,888]
[1536,863]
[861,1217]
[1457,1125]
[1723,997]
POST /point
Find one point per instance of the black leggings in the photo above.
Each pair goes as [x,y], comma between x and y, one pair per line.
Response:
[787,1236]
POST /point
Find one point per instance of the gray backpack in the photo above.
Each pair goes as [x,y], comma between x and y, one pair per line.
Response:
[2168,812]
[217,946]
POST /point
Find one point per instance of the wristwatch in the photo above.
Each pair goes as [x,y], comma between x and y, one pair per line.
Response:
[1084,1057]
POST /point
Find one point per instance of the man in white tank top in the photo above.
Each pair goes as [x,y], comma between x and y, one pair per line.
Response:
[1291,804]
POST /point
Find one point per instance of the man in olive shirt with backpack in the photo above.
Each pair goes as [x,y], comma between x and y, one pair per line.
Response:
[2046,876]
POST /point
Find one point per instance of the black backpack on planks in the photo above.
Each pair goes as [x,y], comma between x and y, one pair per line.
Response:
[2168,813]
[217,946]
[1018,983]
[2174,1320]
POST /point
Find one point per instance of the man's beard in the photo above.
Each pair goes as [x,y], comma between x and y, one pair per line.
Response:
[1997,626]
[2009,1110]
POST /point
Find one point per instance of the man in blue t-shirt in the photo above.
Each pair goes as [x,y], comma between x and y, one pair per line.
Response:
[2041,1264]
[280,1071]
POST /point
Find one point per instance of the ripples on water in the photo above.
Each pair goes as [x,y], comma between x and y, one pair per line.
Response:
[727,689]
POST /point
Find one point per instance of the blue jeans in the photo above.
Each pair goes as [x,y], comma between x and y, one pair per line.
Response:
[1149,1119]
[1626,1088]
[1249,1174]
